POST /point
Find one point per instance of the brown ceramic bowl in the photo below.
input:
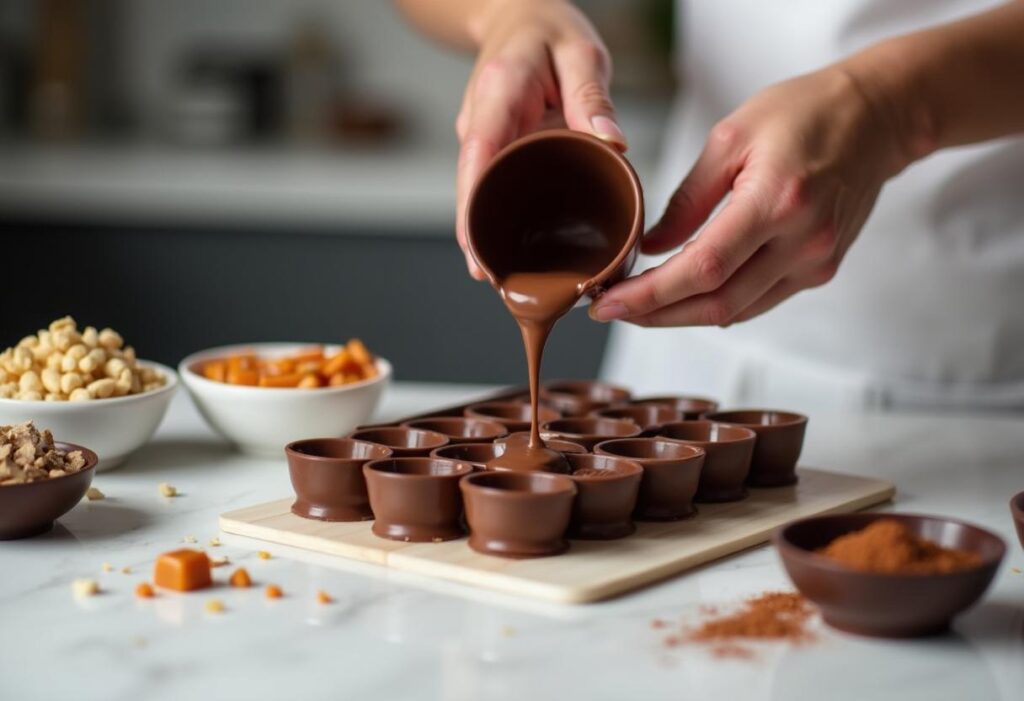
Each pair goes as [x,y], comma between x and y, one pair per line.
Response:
[671,474]
[780,438]
[552,180]
[515,416]
[607,491]
[30,509]
[416,499]
[327,476]
[461,429]
[886,605]
[649,417]
[404,442]
[518,514]
[579,397]
[689,408]
[1017,509]
[476,454]
[588,431]
[729,449]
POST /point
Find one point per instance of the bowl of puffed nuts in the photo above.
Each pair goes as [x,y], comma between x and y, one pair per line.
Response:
[40,479]
[87,386]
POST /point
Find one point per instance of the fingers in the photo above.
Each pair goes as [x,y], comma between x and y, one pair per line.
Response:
[721,307]
[583,70]
[704,265]
[491,118]
[708,181]
[787,287]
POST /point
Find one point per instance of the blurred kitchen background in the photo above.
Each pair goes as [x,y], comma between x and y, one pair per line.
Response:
[202,172]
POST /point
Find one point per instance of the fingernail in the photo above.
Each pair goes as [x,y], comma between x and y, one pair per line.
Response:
[608,311]
[607,129]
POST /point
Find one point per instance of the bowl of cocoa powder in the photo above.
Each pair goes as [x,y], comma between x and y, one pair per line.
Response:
[1017,509]
[889,575]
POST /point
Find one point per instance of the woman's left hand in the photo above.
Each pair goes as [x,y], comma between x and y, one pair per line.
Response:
[804,161]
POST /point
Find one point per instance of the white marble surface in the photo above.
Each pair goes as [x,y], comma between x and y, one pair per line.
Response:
[390,637]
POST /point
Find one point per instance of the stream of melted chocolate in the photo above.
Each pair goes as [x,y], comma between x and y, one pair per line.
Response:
[555,267]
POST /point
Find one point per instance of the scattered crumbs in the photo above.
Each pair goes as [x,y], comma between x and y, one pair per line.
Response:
[733,651]
[189,539]
[94,494]
[673,641]
[240,578]
[273,591]
[218,561]
[168,490]
[85,587]
[323,597]
[107,567]
[214,542]
[1015,570]
[508,632]
[144,590]
[263,554]
[659,623]
[214,606]
[126,570]
[139,642]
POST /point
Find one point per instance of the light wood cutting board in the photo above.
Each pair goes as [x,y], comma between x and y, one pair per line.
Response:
[591,570]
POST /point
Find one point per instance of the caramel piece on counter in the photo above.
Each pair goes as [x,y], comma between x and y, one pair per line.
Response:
[144,590]
[273,591]
[323,597]
[183,570]
[240,578]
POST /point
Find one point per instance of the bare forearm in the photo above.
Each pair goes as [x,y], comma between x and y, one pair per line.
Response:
[953,84]
[454,22]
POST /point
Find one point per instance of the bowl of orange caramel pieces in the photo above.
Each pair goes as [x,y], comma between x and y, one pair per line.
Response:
[262,396]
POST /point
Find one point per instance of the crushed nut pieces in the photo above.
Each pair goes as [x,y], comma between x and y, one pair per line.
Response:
[167,490]
[95,495]
[85,587]
[215,606]
[60,364]
[29,455]
[263,554]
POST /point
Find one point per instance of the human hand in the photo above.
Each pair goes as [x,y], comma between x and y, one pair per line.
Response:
[540,64]
[802,162]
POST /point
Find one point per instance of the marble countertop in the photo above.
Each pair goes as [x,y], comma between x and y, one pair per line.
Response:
[389,636]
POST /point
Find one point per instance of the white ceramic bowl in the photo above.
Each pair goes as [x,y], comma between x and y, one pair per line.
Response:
[263,420]
[113,428]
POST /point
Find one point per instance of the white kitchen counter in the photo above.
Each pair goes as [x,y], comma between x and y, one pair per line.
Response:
[388,636]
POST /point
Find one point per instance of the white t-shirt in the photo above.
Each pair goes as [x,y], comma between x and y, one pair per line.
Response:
[928,305]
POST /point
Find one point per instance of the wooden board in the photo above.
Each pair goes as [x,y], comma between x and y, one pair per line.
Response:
[591,570]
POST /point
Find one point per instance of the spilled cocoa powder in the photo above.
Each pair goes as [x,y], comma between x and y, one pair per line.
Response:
[887,546]
[771,616]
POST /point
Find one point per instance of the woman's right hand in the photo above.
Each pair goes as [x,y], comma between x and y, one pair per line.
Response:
[540,64]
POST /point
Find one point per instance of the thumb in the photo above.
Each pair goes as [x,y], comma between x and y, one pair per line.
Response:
[583,69]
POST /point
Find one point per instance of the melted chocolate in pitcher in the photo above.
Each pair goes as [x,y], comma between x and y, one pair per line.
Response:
[547,222]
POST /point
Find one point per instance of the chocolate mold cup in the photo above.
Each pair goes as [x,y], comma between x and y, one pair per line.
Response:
[416,499]
[514,415]
[404,442]
[588,431]
[649,417]
[887,605]
[30,509]
[729,450]
[672,472]
[690,408]
[558,448]
[607,489]
[1017,511]
[518,514]
[780,438]
[327,476]
[476,454]
[460,429]
[579,397]
[555,180]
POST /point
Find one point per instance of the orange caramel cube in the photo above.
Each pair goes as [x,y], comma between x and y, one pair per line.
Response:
[215,370]
[183,570]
